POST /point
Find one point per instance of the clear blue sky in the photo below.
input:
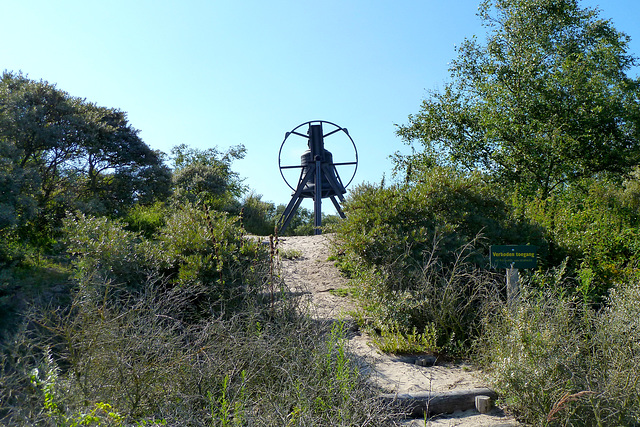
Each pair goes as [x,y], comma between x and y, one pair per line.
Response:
[228,72]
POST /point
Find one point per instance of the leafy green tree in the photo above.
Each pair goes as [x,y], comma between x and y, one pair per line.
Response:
[116,166]
[544,102]
[258,216]
[205,176]
[60,153]
[16,184]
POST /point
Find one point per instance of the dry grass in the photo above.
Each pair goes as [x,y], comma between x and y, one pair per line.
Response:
[259,368]
[203,334]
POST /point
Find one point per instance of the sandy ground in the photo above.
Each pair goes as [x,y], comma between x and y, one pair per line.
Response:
[313,276]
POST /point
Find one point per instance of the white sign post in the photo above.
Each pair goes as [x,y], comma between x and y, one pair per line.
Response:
[513,286]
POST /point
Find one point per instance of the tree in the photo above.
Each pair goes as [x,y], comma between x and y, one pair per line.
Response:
[115,165]
[258,216]
[205,176]
[60,153]
[546,101]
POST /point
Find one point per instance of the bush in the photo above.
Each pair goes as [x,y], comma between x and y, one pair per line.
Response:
[415,252]
[596,225]
[201,254]
[385,223]
[531,353]
[103,247]
[258,217]
[556,361]
[615,372]
[147,220]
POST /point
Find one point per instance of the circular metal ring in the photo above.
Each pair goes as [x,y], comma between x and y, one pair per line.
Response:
[337,129]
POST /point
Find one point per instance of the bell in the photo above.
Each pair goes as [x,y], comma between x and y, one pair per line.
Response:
[331,185]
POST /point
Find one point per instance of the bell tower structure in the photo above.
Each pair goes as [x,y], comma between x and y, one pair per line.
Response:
[319,177]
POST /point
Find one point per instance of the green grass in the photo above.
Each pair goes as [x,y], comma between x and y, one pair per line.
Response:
[392,340]
[290,253]
[343,292]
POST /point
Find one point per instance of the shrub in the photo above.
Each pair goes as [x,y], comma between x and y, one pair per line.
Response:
[597,226]
[201,254]
[415,252]
[146,220]
[104,252]
[386,223]
[532,351]
[178,330]
[615,371]
[258,217]
[556,361]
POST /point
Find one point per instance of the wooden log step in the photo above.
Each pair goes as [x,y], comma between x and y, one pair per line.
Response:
[417,405]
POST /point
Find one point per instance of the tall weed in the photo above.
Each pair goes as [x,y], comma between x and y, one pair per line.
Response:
[556,361]
[147,365]
[447,298]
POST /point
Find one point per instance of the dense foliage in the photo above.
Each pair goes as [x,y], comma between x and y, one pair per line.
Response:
[545,102]
[385,222]
[199,253]
[59,153]
[546,110]
[534,141]
[415,249]
[130,293]
[564,353]
[593,226]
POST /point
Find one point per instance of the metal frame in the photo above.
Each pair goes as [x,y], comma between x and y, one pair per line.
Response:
[322,168]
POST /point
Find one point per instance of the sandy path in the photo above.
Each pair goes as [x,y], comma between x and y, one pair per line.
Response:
[313,276]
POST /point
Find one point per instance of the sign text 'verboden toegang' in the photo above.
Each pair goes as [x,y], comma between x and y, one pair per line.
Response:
[516,256]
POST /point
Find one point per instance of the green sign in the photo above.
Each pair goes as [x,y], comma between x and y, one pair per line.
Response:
[516,256]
